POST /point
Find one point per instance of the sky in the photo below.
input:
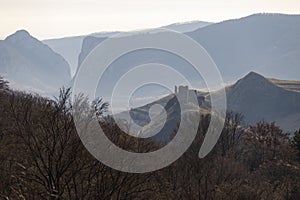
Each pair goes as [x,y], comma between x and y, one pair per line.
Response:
[46,19]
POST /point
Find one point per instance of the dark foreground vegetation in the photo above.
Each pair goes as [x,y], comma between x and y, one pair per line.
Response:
[42,157]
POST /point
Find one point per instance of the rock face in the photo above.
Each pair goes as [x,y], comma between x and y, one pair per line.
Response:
[31,65]
[88,44]
[70,47]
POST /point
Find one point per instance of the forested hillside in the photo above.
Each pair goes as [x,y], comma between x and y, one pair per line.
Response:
[42,157]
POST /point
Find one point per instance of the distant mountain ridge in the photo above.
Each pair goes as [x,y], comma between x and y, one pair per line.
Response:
[187,26]
[70,47]
[31,65]
[266,43]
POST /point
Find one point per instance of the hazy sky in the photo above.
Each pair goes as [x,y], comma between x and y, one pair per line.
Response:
[58,18]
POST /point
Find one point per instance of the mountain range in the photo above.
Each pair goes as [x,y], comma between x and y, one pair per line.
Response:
[268,44]
[265,43]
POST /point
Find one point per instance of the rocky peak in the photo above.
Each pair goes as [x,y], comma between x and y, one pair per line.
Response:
[254,81]
[20,35]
